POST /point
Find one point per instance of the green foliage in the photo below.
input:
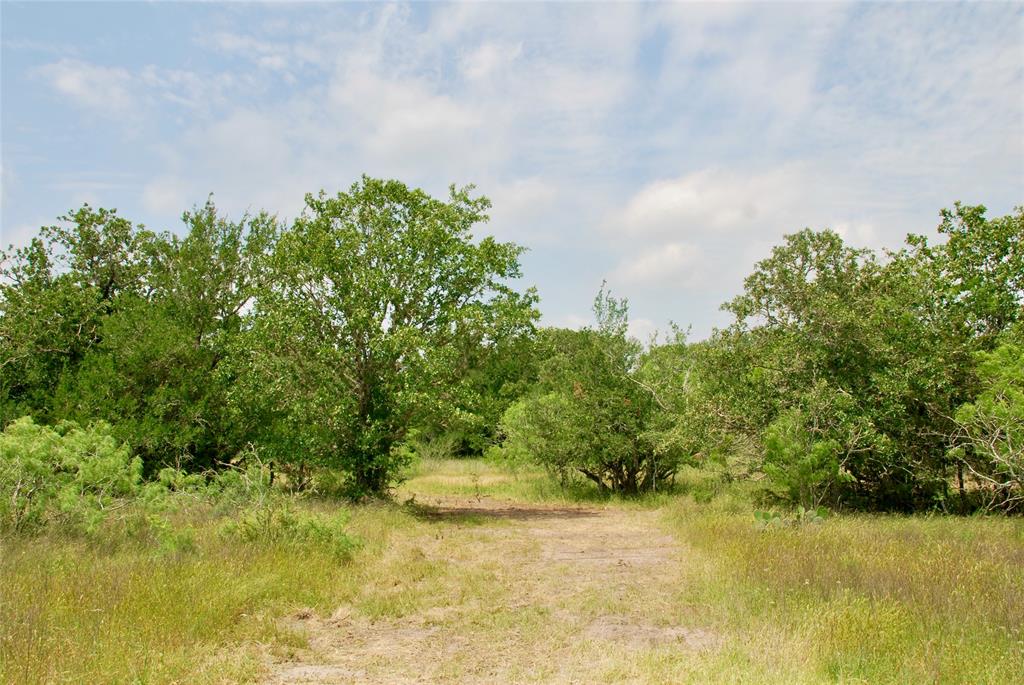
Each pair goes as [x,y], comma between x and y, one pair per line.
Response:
[102,319]
[869,355]
[153,373]
[276,522]
[376,328]
[982,267]
[436,447]
[808,469]
[801,516]
[499,369]
[358,335]
[589,413]
[843,372]
[69,476]
[86,483]
[54,294]
[991,428]
[694,421]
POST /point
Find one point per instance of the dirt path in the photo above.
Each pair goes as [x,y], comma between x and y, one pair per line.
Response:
[534,594]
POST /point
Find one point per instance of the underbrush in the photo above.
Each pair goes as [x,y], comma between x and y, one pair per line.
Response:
[198,601]
[860,598]
[105,577]
[284,524]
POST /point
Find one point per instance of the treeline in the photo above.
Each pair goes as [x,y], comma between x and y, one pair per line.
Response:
[849,379]
[376,326]
[319,344]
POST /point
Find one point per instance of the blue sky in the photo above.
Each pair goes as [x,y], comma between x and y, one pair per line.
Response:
[661,147]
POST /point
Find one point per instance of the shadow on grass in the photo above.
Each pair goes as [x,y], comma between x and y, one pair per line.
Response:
[479,513]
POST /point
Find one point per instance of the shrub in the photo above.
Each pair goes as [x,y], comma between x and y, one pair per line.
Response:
[275,522]
[806,469]
[991,428]
[66,475]
[589,415]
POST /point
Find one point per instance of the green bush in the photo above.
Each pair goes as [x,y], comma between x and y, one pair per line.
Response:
[66,475]
[275,522]
[806,469]
[589,414]
[991,428]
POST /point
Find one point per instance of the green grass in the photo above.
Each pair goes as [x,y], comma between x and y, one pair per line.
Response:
[862,599]
[487,478]
[482,478]
[857,599]
[77,611]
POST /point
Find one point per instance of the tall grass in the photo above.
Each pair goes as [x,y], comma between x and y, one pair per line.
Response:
[857,599]
[873,599]
[74,611]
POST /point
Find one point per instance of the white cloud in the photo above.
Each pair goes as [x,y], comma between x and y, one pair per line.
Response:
[274,62]
[707,201]
[521,207]
[858,234]
[663,145]
[576,321]
[487,58]
[8,182]
[670,264]
[405,121]
[93,86]
[235,43]
[271,55]
[573,321]
[134,97]
[20,234]
[642,329]
[166,195]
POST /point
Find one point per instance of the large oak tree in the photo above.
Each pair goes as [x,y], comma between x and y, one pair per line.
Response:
[358,334]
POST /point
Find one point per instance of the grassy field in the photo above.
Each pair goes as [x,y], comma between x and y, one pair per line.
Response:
[74,611]
[865,599]
[478,574]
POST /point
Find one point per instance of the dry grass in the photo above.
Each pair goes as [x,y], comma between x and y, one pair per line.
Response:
[873,599]
[73,611]
[496,576]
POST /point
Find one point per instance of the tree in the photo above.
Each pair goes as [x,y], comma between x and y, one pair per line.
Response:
[500,363]
[358,333]
[55,294]
[990,436]
[704,418]
[590,413]
[981,267]
[153,372]
[863,355]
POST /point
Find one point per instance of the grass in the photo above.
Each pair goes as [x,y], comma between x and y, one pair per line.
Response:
[857,599]
[480,478]
[862,599]
[75,611]
[486,478]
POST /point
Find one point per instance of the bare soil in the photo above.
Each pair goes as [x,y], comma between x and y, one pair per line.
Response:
[572,594]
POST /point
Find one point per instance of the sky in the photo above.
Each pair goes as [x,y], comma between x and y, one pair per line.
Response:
[662,148]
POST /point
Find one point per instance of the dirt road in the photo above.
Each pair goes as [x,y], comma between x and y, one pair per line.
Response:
[532,593]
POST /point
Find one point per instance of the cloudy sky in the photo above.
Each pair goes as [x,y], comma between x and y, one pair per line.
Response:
[661,147]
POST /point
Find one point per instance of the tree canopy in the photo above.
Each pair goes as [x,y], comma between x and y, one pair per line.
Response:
[377,323]
[357,334]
